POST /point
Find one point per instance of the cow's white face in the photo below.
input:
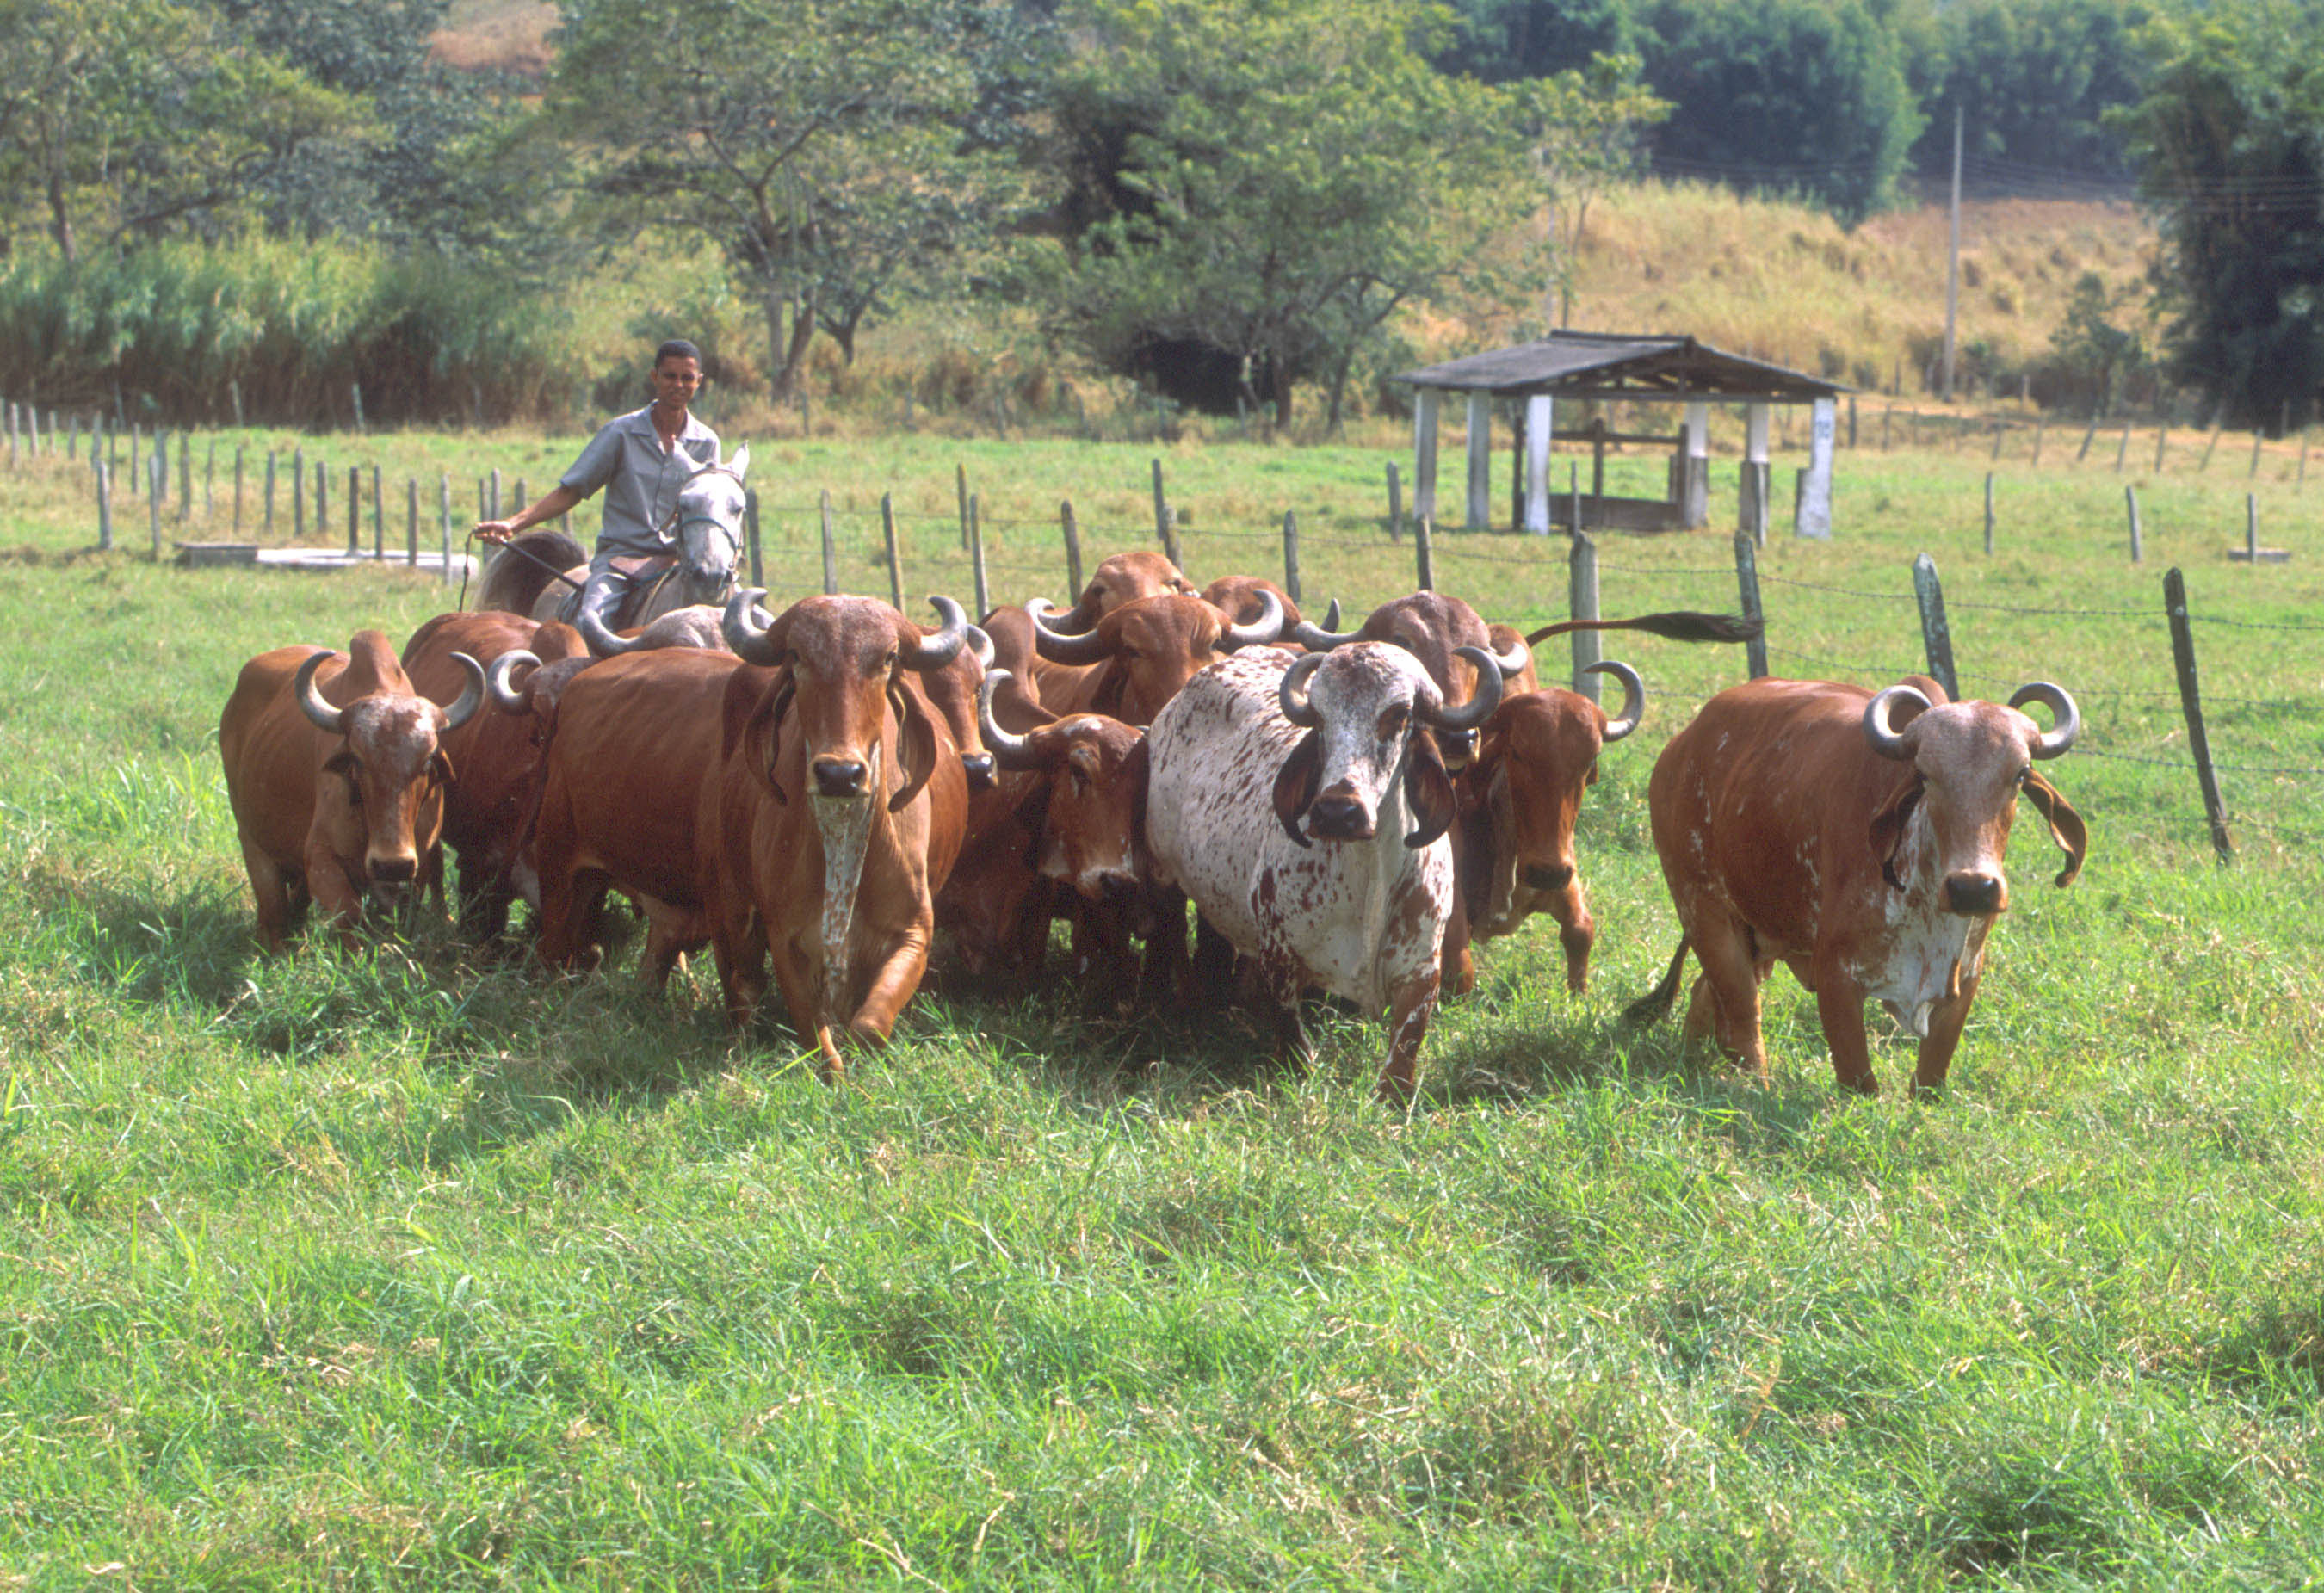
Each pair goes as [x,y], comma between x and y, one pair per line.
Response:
[1364,695]
[1970,761]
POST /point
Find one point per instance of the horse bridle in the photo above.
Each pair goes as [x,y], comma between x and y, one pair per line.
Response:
[667,533]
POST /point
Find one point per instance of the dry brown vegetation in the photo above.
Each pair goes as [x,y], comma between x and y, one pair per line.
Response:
[503,35]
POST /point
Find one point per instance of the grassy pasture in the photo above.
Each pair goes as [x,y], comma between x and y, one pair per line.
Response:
[409,1268]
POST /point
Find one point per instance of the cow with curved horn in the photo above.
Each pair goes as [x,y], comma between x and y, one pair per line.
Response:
[1066,834]
[488,812]
[1139,655]
[695,625]
[1120,578]
[838,810]
[1242,599]
[1519,799]
[335,766]
[1303,808]
[1858,837]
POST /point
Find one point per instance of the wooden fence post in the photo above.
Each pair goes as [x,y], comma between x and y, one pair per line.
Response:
[1396,504]
[976,555]
[104,508]
[2122,452]
[354,510]
[895,560]
[237,489]
[2251,528]
[444,520]
[496,500]
[960,487]
[2191,702]
[1423,555]
[1886,415]
[209,483]
[411,522]
[322,499]
[1073,551]
[2257,436]
[2162,441]
[831,547]
[2209,443]
[2088,438]
[1747,582]
[1988,512]
[1171,549]
[751,536]
[1935,637]
[233,390]
[1582,585]
[378,520]
[185,476]
[270,491]
[2138,537]
[157,471]
[298,494]
[354,393]
[1995,458]
[1162,531]
[1291,554]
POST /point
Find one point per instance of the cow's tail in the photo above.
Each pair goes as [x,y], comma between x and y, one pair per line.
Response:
[1676,625]
[520,570]
[1655,1005]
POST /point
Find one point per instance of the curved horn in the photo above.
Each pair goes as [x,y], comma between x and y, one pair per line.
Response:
[1634,698]
[506,697]
[1292,694]
[981,645]
[470,699]
[933,652]
[741,628]
[1480,706]
[1878,734]
[1009,750]
[603,642]
[1323,638]
[330,720]
[1065,647]
[1515,662]
[1266,628]
[2066,720]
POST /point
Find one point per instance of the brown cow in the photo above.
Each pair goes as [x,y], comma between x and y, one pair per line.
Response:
[635,739]
[1518,803]
[488,811]
[1070,838]
[838,809]
[1858,837]
[1139,656]
[1237,597]
[336,769]
[1123,578]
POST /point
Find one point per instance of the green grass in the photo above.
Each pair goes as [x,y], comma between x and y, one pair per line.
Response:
[407,1268]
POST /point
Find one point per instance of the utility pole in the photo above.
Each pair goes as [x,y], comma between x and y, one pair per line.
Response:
[1952,259]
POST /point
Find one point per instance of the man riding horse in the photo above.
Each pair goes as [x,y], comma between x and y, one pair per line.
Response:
[645,462]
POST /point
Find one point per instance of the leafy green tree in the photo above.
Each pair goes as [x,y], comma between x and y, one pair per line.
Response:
[2230,141]
[2034,79]
[1290,173]
[1500,41]
[132,118]
[1804,94]
[1583,129]
[831,149]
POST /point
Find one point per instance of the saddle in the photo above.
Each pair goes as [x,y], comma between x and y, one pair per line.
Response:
[642,575]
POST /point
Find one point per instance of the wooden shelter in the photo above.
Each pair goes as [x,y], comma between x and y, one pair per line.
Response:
[1638,367]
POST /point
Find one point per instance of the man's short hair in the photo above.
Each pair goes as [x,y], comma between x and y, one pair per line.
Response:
[676,348]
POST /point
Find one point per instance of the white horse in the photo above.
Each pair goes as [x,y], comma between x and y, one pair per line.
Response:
[542,572]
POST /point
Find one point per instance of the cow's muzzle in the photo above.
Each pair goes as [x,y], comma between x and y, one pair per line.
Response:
[838,777]
[1974,893]
[1547,876]
[1336,818]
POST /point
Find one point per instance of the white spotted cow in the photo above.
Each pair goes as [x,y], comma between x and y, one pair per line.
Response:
[1301,805]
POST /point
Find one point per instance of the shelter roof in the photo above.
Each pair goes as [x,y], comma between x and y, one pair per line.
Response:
[1622,365]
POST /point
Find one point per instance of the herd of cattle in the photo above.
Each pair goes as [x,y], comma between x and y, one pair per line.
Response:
[827,787]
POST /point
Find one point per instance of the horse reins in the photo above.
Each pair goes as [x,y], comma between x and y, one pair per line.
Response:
[666,535]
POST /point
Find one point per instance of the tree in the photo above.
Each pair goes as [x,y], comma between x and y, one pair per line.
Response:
[1807,94]
[1291,172]
[2230,139]
[827,147]
[1502,41]
[2036,79]
[138,116]
[1584,130]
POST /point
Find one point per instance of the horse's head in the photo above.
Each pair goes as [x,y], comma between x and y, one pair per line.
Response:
[709,529]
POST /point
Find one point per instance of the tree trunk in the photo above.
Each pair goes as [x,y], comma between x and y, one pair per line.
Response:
[1340,388]
[788,349]
[60,216]
[1278,381]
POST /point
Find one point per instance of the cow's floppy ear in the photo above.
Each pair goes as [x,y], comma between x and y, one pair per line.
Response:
[1295,785]
[915,737]
[1427,791]
[2066,827]
[441,766]
[1112,683]
[755,722]
[1888,827]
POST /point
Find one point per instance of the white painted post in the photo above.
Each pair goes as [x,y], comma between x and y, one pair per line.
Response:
[1696,486]
[1481,462]
[1815,498]
[1539,410]
[1755,477]
[1424,455]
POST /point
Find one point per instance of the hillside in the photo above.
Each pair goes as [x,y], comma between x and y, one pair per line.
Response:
[509,35]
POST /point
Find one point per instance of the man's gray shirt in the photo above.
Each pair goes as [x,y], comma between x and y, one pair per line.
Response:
[640,481]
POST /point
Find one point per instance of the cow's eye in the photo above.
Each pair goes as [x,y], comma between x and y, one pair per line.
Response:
[2023,773]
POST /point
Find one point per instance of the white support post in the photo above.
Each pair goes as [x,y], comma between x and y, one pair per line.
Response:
[1538,415]
[1756,476]
[1424,455]
[1481,462]
[1815,495]
[1697,485]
